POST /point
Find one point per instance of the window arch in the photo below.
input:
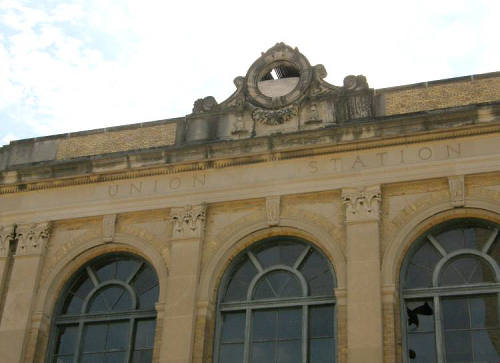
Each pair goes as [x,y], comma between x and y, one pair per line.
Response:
[450,289]
[276,304]
[106,313]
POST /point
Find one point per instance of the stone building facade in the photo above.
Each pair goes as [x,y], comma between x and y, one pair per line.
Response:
[382,206]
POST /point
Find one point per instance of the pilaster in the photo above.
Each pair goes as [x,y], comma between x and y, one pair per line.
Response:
[364,309]
[184,269]
[16,319]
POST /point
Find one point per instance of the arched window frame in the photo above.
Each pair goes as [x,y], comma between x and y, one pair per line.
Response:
[249,306]
[133,316]
[437,292]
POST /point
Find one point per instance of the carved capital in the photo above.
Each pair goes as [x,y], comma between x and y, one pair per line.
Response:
[6,236]
[362,204]
[188,221]
[273,210]
[108,227]
[456,186]
[32,238]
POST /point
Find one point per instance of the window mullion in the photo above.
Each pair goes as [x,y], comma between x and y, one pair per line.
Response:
[438,327]
[131,342]
[79,342]
[305,332]
[246,345]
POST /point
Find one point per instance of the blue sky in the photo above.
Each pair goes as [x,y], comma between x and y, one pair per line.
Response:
[76,65]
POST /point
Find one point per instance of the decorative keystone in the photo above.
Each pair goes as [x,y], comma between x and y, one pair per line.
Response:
[6,236]
[362,204]
[108,227]
[32,238]
[456,186]
[188,221]
[273,210]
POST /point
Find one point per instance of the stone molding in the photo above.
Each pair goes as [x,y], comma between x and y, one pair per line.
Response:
[7,234]
[108,227]
[32,238]
[456,185]
[362,204]
[273,211]
[188,221]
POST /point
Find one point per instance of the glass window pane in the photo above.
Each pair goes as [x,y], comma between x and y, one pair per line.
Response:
[290,351]
[118,336]
[92,358]
[144,334]
[321,321]
[144,280]
[82,286]
[66,341]
[321,350]
[422,347]
[290,323]
[451,240]
[317,274]
[106,272]
[264,325]
[486,345]
[458,346]
[149,298]
[125,268]
[418,276]
[142,356]
[455,313]
[419,315]
[466,269]
[240,280]
[94,337]
[495,250]
[263,352]
[484,311]
[233,327]
[231,353]
[263,289]
[72,305]
[112,294]
[283,253]
[97,304]
[115,357]
[63,359]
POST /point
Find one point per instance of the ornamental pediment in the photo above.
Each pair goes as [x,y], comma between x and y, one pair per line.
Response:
[281,92]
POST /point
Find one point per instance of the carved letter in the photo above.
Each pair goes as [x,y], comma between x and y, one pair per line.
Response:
[135,188]
[273,210]
[425,153]
[175,183]
[457,150]
[313,166]
[382,158]
[457,190]
[199,179]
[113,190]
[188,221]
[358,161]
[361,204]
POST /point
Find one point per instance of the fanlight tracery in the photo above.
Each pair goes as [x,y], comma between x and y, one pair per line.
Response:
[451,294]
[107,313]
[276,304]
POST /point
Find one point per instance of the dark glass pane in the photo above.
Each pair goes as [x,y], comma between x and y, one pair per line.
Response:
[115,357]
[264,325]
[464,270]
[262,352]
[477,239]
[148,299]
[82,286]
[284,283]
[97,304]
[231,353]
[144,280]
[317,274]
[418,276]
[426,256]
[455,313]
[72,305]
[125,268]
[233,327]
[263,290]
[92,358]
[63,359]
[420,315]
[484,311]
[495,250]
[142,356]
[321,321]
[486,345]
[290,351]
[66,340]
[284,253]
[451,240]
[144,334]
[124,302]
[321,350]
[112,294]
[290,323]
[118,335]
[482,272]
[458,346]
[106,272]
[238,284]
[421,348]
[94,338]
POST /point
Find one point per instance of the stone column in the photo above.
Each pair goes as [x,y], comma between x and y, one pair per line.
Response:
[6,237]
[24,278]
[184,269]
[364,309]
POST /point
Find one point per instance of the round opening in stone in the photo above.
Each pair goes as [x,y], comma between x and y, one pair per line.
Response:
[279,80]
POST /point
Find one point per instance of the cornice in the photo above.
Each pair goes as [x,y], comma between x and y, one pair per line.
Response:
[457,123]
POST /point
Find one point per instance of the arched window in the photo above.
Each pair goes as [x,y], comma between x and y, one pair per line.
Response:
[450,288]
[106,313]
[276,305]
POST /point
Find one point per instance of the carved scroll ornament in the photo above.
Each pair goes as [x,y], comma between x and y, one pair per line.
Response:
[274,117]
[32,238]
[361,204]
[6,236]
[188,221]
